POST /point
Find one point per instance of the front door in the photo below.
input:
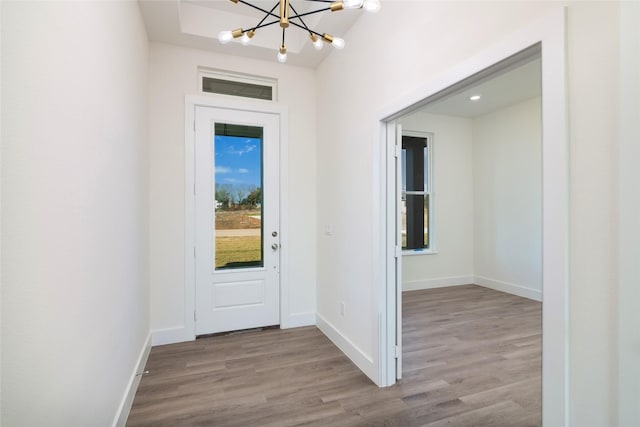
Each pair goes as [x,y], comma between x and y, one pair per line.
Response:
[237,220]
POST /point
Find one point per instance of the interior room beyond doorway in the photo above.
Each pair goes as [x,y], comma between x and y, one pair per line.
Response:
[483,219]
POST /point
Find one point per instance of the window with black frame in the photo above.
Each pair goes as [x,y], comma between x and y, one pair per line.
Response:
[416,193]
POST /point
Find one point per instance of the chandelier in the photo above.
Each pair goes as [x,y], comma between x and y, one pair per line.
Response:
[289,16]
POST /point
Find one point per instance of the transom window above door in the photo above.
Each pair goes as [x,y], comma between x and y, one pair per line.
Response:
[237,85]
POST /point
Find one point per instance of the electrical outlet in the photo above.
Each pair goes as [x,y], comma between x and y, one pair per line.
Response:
[328,230]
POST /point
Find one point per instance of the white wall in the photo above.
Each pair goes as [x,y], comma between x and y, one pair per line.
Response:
[593,119]
[488,205]
[453,205]
[629,215]
[0,209]
[75,301]
[507,209]
[381,65]
[173,74]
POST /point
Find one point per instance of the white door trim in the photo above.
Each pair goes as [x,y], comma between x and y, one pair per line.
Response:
[191,102]
[550,32]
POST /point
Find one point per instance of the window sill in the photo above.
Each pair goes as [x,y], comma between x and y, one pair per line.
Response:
[412,252]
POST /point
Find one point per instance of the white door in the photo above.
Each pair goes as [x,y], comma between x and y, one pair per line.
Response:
[237,220]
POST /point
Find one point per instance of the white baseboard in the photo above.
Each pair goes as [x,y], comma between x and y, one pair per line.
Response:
[170,336]
[127,400]
[357,356]
[509,288]
[180,334]
[440,282]
[297,320]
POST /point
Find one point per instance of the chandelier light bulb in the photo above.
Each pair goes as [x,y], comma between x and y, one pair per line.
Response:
[287,16]
[246,37]
[371,5]
[352,4]
[317,42]
[225,37]
[282,54]
[338,43]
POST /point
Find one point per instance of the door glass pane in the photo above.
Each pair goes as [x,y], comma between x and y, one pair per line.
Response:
[237,161]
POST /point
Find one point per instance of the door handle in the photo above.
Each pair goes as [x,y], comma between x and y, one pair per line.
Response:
[275,246]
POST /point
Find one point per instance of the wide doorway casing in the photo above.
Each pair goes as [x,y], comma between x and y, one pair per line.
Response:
[549,35]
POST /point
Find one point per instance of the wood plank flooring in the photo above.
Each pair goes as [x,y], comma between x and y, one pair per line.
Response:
[472,357]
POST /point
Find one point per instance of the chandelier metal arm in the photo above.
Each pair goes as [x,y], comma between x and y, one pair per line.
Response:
[266,16]
[295,24]
[298,16]
[260,26]
[267,12]
[308,13]
[270,12]
[285,19]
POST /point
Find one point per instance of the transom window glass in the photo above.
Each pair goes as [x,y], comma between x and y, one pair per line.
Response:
[416,193]
[235,84]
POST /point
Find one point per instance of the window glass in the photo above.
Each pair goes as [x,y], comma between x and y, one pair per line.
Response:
[227,87]
[416,197]
[238,231]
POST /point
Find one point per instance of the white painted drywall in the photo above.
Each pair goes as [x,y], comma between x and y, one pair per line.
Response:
[594,79]
[507,207]
[173,73]
[0,209]
[629,218]
[376,66]
[75,301]
[453,204]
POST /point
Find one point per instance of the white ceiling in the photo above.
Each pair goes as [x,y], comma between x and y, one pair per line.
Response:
[196,24]
[500,91]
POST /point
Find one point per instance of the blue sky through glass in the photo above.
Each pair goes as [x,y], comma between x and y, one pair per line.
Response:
[237,161]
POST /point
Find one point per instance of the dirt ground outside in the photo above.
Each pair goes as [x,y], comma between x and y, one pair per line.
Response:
[237,220]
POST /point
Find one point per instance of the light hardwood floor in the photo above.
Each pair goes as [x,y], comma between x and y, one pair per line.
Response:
[472,357]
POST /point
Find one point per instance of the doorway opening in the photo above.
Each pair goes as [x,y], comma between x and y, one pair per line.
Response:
[471,310]
[546,38]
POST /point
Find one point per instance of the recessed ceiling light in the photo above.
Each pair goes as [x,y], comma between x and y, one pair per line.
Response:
[474,98]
